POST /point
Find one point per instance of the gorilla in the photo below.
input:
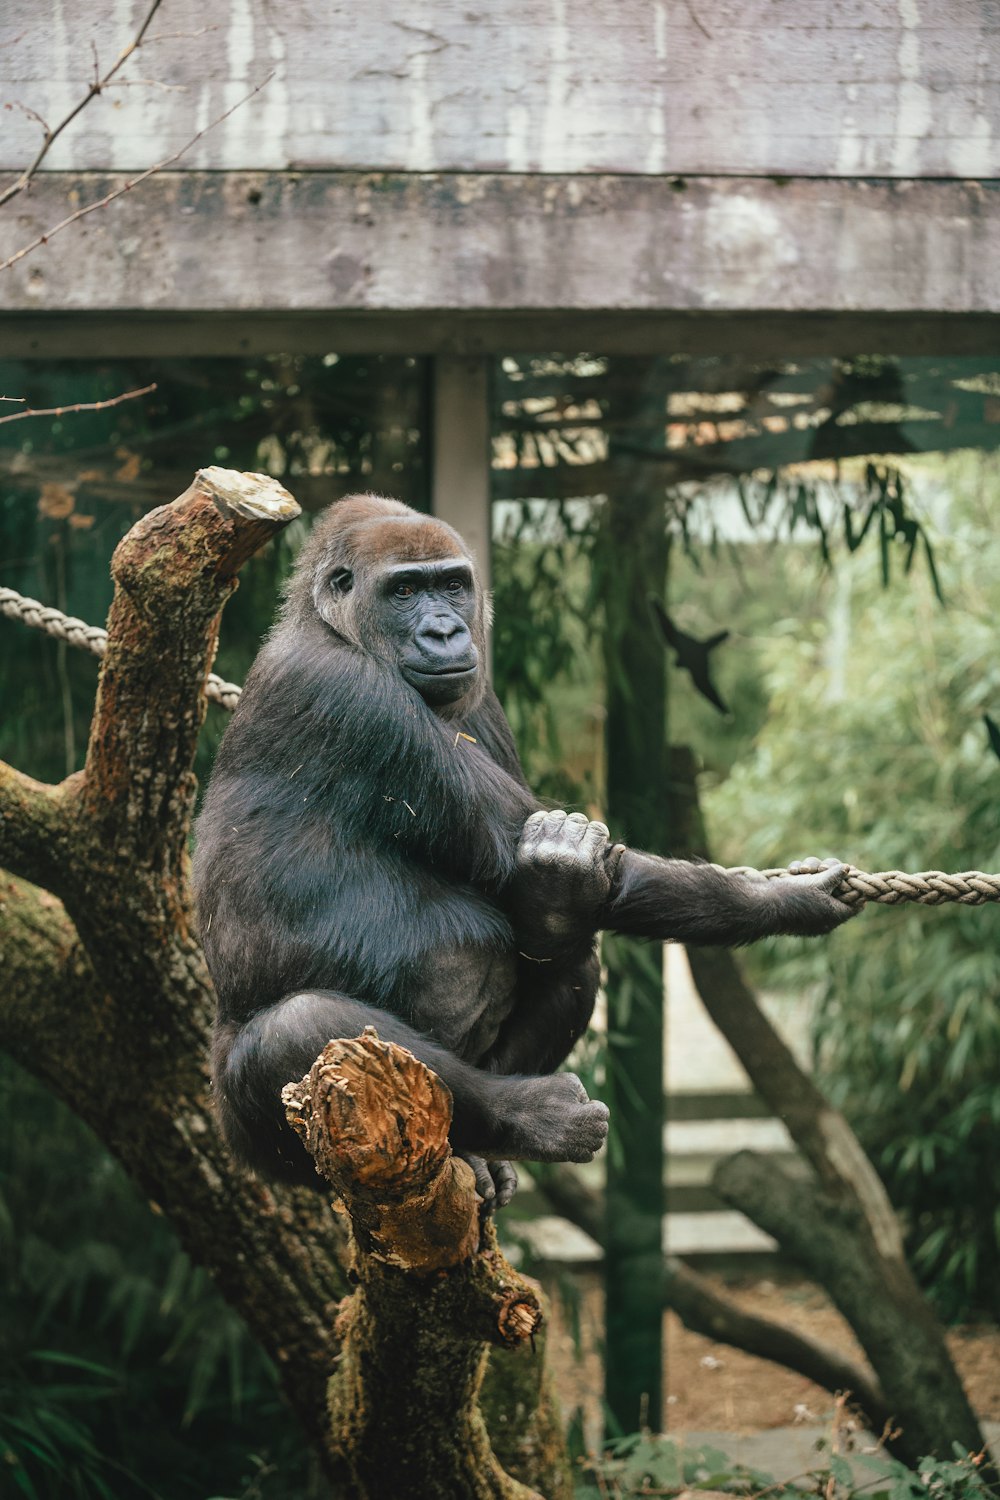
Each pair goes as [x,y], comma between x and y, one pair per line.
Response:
[369,853]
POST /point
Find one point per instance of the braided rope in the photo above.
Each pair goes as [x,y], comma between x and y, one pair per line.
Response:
[887,887]
[893,887]
[15,606]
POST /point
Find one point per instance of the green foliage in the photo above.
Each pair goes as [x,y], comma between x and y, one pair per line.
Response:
[544,656]
[123,1374]
[874,750]
[649,1464]
[70,488]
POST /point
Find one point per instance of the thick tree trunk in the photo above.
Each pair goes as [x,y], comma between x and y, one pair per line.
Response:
[840,1226]
[106,996]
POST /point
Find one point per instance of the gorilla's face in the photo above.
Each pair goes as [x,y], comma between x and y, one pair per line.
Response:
[402,587]
[428,610]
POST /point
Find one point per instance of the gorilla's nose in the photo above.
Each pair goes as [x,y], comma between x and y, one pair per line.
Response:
[444,639]
[442,630]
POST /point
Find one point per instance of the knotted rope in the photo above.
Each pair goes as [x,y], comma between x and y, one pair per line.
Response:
[887,887]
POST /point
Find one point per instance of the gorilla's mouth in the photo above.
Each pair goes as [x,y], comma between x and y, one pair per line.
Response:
[440,684]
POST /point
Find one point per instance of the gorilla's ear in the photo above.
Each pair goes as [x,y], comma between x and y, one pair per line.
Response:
[330,592]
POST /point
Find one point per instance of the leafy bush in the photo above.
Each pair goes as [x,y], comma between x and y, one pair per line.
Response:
[647,1464]
[875,750]
[122,1372]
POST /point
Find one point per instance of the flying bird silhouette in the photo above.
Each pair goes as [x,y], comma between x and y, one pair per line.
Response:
[691,655]
[993,730]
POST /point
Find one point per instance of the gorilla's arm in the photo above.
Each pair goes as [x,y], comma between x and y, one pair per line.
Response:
[672,899]
[570,881]
[553,1010]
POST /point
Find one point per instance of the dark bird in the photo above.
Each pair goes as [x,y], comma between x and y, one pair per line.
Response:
[993,730]
[691,655]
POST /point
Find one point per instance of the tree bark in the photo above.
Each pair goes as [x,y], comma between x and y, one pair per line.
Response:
[841,1226]
[106,996]
[430,1300]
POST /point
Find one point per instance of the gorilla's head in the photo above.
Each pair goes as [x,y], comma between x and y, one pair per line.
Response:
[400,586]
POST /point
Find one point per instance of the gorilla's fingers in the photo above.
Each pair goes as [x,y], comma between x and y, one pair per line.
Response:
[505,1181]
[829,876]
[485,1186]
[596,836]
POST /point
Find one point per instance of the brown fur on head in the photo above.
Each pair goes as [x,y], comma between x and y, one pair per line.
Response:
[352,542]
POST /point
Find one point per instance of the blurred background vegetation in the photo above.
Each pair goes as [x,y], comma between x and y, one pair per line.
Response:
[855,727]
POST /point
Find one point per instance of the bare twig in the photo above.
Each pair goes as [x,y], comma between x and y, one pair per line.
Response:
[51,136]
[61,411]
[133,182]
[697,20]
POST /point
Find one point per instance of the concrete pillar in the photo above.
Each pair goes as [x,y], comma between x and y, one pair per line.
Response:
[460,452]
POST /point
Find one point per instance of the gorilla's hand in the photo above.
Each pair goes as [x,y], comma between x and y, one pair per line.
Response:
[807,906]
[565,869]
[496,1182]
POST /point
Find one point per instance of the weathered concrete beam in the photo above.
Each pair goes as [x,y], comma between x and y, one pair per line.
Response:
[763,335]
[736,87]
[436,246]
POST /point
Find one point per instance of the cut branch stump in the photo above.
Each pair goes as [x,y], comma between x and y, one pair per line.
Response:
[433,1291]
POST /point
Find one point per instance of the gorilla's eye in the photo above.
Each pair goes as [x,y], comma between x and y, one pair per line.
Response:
[454,585]
[342,580]
[403,591]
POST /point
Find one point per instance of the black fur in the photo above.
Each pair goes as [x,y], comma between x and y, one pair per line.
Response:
[367,854]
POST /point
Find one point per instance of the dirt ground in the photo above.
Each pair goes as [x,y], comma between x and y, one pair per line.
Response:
[711,1387]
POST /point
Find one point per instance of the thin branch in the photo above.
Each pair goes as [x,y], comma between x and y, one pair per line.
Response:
[61,411]
[51,136]
[32,114]
[697,21]
[34,824]
[133,182]
[705,1310]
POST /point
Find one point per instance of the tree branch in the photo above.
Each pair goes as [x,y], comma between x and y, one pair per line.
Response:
[272,1253]
[61,411]
[429,1299]
[173,573]
[51,136]
[821,1132]
[35,821]
[130,183]
[705,1310]
[843,1226]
